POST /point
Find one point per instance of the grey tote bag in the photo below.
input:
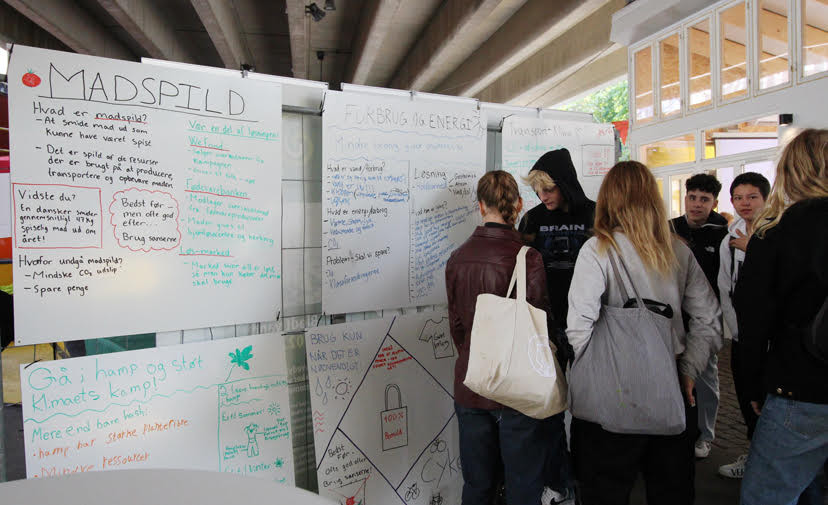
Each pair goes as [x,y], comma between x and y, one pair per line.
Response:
[626,379]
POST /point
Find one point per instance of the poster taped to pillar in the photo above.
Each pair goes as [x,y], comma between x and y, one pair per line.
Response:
[220,406]
[591,146]
[144,198]
[384,426]
[398,196]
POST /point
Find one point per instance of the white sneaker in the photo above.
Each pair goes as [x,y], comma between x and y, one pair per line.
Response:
[552,497]
[735,470]
[702,448]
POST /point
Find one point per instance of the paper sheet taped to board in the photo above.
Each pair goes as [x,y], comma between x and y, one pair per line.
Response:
[144,198]
[399,181]
[384,426]
[220,406]
[591,146]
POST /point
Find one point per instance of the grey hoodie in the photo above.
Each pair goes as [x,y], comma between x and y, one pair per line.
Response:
[686,288]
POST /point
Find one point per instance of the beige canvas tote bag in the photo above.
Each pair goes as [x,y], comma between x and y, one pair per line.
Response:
[511,360]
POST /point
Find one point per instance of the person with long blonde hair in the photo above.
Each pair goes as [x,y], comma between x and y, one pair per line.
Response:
[782,288]
[631,224]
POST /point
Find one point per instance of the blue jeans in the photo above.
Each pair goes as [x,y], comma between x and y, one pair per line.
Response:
[488,437]
[787,453]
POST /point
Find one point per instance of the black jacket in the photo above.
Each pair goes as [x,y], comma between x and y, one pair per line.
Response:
[782,284]
[559,234]
[704,241]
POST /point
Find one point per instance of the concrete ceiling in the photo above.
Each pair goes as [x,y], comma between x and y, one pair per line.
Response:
[520,52]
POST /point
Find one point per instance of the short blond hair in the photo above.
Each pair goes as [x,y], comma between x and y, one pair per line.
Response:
[539,180]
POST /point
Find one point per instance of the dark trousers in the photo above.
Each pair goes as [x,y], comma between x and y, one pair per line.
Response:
[558,463]
[489,438]
[607,464]
[748,414]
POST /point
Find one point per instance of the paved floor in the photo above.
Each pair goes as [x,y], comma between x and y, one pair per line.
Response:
[731,441]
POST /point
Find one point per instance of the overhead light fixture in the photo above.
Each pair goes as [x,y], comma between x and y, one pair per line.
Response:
[330,5]
[316,13]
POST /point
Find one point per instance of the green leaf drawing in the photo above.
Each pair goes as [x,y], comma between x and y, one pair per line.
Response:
[239,358]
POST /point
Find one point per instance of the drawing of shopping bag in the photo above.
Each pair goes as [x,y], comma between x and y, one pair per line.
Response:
[394,421]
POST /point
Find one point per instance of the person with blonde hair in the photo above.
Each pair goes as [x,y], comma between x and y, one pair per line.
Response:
[493,436]
[631,228]
[780,297]
[558,227]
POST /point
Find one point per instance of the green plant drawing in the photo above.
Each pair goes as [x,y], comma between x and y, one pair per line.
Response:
[239,359]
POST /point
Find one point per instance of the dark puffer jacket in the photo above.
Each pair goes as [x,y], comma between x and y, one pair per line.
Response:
[484,264]
[704,241]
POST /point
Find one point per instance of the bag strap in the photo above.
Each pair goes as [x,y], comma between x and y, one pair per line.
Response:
[519,275]
[620,282]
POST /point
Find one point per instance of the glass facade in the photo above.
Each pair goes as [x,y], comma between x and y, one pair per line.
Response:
[733,37]
[644,103]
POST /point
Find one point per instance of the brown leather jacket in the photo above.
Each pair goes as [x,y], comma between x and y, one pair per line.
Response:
[484,264]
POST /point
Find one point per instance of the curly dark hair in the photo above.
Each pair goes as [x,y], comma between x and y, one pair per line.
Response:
[704,182]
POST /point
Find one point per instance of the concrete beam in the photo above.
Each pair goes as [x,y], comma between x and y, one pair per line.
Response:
[221,21]
[586,79]
[70,24]
[150,28]
[17,28]
[374,24]
[532,28]
[452,34]
[297,23]
[579,46]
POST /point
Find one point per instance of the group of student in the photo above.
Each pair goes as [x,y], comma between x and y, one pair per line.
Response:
[765,274]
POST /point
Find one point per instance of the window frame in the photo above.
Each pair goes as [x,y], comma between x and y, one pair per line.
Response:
[748,59]
[702,137]
[682,78]
[738,162]
[695,160]
[714,63]
[631,83]
[801,78]
[757,49]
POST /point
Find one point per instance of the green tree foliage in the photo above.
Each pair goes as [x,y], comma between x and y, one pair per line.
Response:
[606,105]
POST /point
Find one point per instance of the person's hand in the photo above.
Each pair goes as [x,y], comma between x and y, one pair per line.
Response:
[687,385]
[741,242]
[756,408]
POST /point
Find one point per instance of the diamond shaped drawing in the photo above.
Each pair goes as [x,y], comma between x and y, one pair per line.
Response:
[394,421]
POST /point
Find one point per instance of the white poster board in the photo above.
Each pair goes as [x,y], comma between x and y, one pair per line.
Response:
[219,406]
[5,205]
[144,198]
[398,196]
[591,146]
[384,426]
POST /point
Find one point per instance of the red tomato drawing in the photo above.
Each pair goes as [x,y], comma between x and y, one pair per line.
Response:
[31,79]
